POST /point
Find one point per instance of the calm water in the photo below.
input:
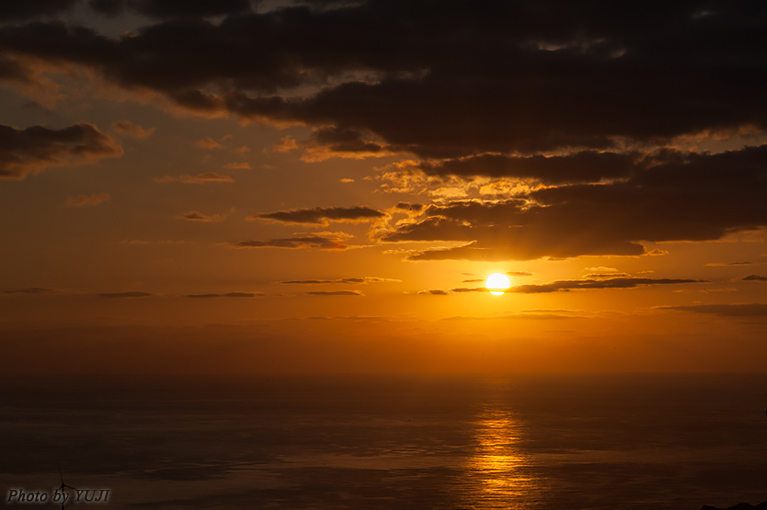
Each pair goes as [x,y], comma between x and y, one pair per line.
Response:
[401,442]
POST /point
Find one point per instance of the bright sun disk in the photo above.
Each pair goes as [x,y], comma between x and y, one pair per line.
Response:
[497,283]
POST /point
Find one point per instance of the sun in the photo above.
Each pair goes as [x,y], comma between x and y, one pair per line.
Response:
[497,283]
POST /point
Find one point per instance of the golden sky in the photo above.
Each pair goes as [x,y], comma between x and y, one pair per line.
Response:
[321,186]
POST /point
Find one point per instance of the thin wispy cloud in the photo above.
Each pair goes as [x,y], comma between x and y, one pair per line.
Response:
[201,217]
[202,178]
[322,215]
[364,279]
[133,130]
[310,241]
[88,200]
[335,293]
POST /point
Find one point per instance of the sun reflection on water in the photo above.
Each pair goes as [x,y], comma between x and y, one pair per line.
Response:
[499,472]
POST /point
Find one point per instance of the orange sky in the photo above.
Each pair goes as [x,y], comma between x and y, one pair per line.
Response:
[177,199]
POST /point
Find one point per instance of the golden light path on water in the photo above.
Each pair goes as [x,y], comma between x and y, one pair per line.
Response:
[498,470]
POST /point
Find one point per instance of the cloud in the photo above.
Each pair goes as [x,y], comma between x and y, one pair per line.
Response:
[31,150]
[119,295]
[583,166]
[196,179]
[131,129]
[589,284]
[208,143]
[606,275]
[198,216]
[741,263]
[755,278]
[510,273]
[568,285]
[363,279]
[335,293]
[310,241]
[286,144]
[88,200]
[433,292]
[241,165]
[655,204]
[322,215]
[462,290]
[30,290]
[727,310]
[15,9]
[502,78]
[228,294]
[165,9]
[585,101]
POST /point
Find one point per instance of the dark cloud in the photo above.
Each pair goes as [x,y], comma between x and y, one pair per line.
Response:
[500,77]
[117,295]
[755,278]
[613,283]
[736,310]
[204,218]
[31,150]
[672,196]
[584,166]
[22,9]
[461,290]
[311,241]
[345,140]
[11,69]
[741,263]
[364,279]
[568,285]
[170,8]
[335,293]
[202,178]
[433,292]
[407,206]
[322,215]
[29,290]
[228,294]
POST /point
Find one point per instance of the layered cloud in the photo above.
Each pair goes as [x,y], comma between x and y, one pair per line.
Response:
[29,151]
[322,215]
[202,217]
[670,196]
[88,200]
[202,178]
[335,293]
[590,284]
[131,129]
[227,295]
[125,295]
[567,112]
[308,241]
[500,77]
[728,310]
[571,285]
[363,279]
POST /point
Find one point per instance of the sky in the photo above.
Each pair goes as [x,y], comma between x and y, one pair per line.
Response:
[319,186]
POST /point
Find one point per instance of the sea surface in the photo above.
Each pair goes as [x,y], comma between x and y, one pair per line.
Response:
[599,442]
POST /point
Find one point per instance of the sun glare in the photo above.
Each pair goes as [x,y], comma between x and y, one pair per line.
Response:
[497,283]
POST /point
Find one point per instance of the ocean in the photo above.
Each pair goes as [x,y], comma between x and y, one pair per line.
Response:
[598,442]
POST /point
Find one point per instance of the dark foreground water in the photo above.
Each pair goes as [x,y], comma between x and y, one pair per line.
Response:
[401,442]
